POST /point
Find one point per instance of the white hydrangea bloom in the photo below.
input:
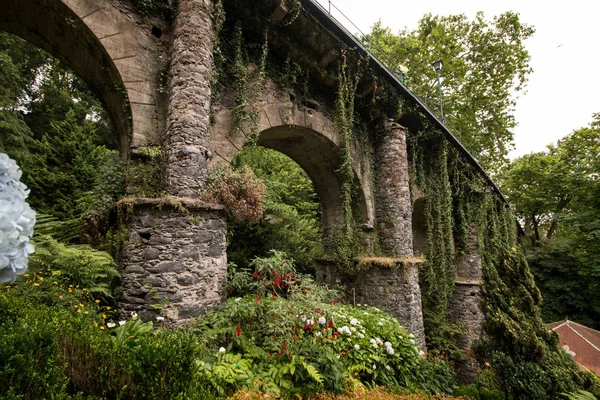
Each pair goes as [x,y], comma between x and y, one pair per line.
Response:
[222,350]
[390,351]
[322,321]
[388,344]
[16,221]
[353,321]
[356,347]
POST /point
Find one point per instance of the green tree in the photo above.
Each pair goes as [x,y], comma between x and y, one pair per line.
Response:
[292,212]
[556,195]
[59,133]
[485,64]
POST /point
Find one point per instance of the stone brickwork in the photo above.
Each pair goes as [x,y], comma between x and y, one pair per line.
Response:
[174,261]
[465,305]
[392,288]
[392,194]
[188,110]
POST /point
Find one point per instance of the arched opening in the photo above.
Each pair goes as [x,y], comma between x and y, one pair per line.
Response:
[314,159]
[419,227]
[59,133]
[54,27]
[319,157]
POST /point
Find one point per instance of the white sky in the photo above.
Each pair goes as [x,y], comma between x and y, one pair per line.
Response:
[564,88]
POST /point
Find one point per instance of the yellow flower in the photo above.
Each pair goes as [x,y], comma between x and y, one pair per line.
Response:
[104,316]
[75,306]
[80,305]
[79,310]
[97,301]
[25,275]
[107,307]
[36,284]
[85,312]
[55,283]
[41,278]
[70,290]
[102,327]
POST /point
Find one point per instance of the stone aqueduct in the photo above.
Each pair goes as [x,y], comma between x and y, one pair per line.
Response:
[155,80]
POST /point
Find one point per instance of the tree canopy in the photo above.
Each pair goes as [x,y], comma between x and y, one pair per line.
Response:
[485,64]
[556,196]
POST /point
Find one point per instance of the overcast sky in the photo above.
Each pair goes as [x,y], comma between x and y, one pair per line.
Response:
[564,88]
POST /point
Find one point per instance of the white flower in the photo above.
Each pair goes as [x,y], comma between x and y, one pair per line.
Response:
[134,315]
[353,321]
[360,335]
[411,336]
[338,356]
[340,330]
[380,323]
[374,366]
[309,322]
[421,353]
[322,320]
[160,319]
[318,333]
[379,342]
[303,318]
[16,221]
[358,305]
[222,350]
[390,351]
[111,324]
[388,368]
[412,341]
[388,344]
[237,299]
[356,347]
[353,329]
[122,323]
[373,341]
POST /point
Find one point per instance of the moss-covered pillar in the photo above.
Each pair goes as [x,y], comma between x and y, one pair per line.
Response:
[394,225]
[392,196]
[465,305]
[188,109]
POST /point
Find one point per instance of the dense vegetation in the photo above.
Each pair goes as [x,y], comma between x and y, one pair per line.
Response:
[279,332]
[555,194]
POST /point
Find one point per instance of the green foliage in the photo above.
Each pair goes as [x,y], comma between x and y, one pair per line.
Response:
[477,393]
[288,335]
[79,265]
[291,221]
[520,349]
[556,197]
[484,64]
[61,136]
[166,9]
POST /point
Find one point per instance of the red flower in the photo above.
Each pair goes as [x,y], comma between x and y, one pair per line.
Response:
[238,331]
[258,298]
[250,322]
[330,324]
[255,274]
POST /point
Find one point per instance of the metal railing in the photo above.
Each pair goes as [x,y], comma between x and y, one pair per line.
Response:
[325,16]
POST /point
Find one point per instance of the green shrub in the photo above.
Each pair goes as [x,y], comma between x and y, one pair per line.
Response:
[290,336]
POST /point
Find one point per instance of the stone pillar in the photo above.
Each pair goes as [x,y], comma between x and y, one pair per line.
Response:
[392,195]
[174,262]
[465,305]
[188,109]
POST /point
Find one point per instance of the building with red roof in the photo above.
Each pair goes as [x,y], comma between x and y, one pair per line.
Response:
[580,342]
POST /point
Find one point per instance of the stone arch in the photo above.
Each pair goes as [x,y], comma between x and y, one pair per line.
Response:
[307,136]
[102,43]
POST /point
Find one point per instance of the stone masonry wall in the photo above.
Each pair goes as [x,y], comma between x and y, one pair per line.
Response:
[465,305]
[188,110]
[392,289]
[392,194]
[174,262]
